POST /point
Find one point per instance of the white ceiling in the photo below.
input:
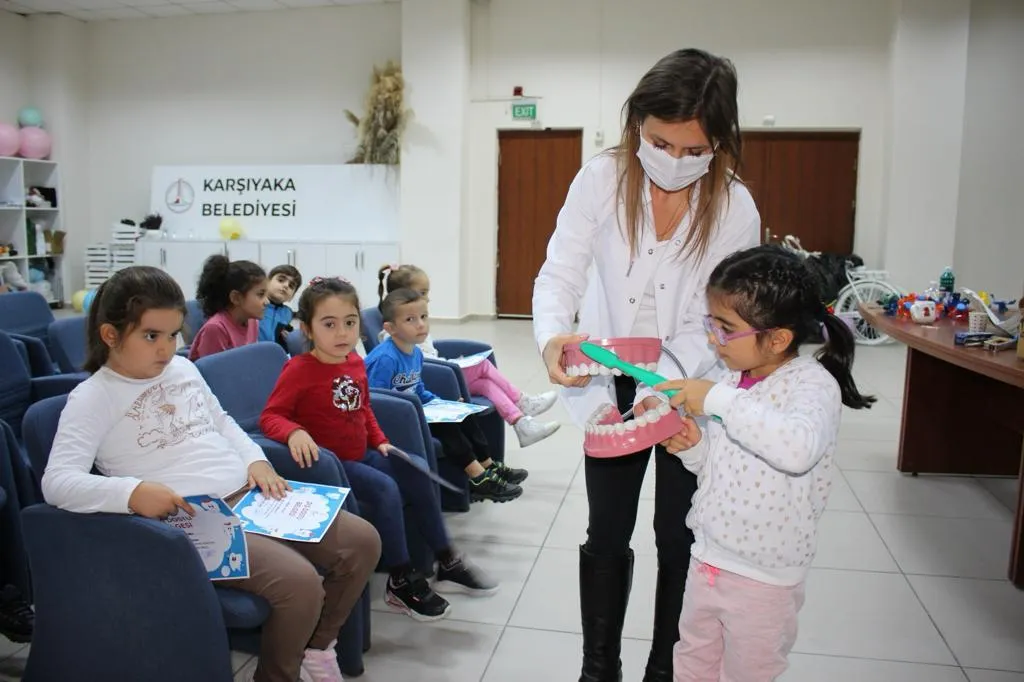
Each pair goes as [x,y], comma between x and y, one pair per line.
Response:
[104,10]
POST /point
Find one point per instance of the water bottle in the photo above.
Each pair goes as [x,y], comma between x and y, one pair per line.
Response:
[947,281]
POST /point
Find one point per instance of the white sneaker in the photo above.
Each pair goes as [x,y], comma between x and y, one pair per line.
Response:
[533,405]
[531,431]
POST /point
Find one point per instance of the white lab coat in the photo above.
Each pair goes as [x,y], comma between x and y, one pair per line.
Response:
[589,270]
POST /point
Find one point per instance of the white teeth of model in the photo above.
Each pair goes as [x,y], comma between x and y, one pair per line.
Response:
[605,371]
[606,429]
[631,426]
[664,409]
[653,366]
[571,371]
[620,428]
[583,370]
[595,369]
[617,372]
[641,420]
[589,427]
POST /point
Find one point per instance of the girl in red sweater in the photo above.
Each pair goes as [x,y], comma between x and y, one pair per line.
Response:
[322,399]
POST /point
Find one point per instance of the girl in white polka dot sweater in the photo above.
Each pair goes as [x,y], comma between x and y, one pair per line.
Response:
[763,454]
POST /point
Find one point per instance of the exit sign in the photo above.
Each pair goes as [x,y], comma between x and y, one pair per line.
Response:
[524,111]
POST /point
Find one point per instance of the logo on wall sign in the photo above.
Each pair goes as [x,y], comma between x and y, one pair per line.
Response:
[180,196]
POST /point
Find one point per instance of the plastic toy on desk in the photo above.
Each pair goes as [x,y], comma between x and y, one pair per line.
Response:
[608,433]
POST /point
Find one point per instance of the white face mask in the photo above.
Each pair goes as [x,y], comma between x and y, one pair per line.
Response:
[669,173]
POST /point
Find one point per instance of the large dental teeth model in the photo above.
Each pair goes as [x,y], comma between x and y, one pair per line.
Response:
[607,434]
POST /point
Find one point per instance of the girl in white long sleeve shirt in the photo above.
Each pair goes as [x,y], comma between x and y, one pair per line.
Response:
[148,422]
[764,465]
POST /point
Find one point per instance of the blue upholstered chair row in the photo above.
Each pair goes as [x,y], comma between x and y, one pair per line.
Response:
[94,621]
[445,380]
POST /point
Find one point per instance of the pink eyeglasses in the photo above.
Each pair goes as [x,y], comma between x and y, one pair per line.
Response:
[714,329]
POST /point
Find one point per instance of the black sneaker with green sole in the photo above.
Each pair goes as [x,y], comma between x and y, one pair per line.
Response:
[506,472]
[490,486]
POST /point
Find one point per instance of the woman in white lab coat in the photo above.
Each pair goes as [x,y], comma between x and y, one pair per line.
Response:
[642,227]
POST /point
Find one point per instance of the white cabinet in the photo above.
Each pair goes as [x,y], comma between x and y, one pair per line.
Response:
[182,260]
[242,250]
[357,262]
[309,257]
[374,256]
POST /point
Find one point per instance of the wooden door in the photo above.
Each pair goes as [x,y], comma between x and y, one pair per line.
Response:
[804,184]
[535,169]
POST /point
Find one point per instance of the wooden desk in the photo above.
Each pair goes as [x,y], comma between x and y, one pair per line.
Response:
[963,411]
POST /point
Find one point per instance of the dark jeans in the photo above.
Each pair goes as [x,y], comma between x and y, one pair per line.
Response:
[387,484]
[613,493]
[463,443]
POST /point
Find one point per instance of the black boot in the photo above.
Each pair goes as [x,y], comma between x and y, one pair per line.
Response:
[668,602]
[605,582]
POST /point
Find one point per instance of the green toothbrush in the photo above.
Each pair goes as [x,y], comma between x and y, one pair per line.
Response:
[611,360]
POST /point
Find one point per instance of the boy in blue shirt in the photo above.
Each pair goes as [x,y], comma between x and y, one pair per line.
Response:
[397,363]
[282,283]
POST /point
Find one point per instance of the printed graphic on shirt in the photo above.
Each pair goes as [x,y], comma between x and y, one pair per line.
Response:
[406,381]
[346,394]
[168,415]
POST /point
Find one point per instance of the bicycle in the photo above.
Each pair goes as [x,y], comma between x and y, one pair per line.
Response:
[863,286]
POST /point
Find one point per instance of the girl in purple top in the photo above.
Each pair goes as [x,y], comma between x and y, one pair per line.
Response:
[233,296]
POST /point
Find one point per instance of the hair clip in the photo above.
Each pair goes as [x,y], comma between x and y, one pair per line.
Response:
[320,280]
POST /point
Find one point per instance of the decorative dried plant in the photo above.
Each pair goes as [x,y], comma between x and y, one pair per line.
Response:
[380,130]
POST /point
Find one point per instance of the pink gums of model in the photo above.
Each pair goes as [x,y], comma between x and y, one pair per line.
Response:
[607,434]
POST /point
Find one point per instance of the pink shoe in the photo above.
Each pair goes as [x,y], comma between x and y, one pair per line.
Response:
[320,665]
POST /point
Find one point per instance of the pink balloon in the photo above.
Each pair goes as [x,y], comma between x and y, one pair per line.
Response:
[35,143]
[9,140]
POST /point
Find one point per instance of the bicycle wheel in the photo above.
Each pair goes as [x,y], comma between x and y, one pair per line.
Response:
[868,291]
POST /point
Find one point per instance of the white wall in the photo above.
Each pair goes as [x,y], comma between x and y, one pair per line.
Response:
[809,63]
[929,57]
[435,64]
[14,54]
[58,86]
[990,215]
[251,88]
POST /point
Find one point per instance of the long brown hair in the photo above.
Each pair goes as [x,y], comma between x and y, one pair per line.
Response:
[684,85]
[122,300]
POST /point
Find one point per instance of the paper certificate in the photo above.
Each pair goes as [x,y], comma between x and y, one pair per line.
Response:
[467,361]
[303,515]
[217,535]
[440,411]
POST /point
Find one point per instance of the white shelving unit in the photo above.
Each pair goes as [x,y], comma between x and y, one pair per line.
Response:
[18,221]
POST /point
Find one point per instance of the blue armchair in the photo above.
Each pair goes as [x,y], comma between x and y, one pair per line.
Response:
[401,418]
[491,422]
[108,617]
[297,343]
[15,479]
[242,379]
[194,319]
[67,343]
[18,390]
[26,316]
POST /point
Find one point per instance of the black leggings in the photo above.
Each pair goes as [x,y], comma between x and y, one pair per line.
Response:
[613,493]
[463,442]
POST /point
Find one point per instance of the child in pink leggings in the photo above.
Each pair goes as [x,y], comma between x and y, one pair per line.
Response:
[515,407]
[763,464]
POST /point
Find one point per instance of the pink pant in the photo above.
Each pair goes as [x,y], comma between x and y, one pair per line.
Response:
[485,379]
[734,629]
